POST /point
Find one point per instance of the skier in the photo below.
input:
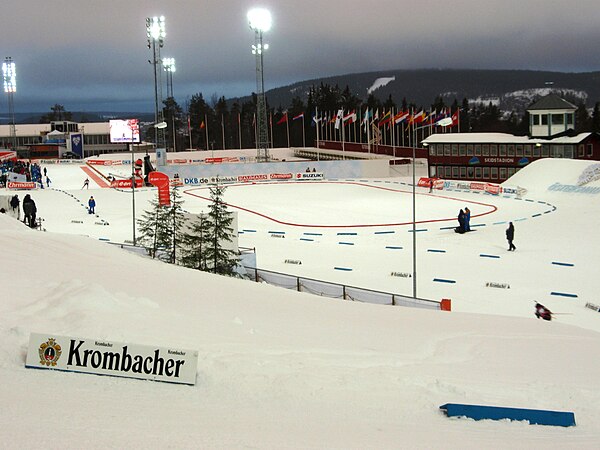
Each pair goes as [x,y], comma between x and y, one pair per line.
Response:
[86,183]
[92,205]
[542,312]
[510,235]
[430,185]
[30,211]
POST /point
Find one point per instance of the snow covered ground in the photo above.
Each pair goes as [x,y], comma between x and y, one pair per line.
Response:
[281,369]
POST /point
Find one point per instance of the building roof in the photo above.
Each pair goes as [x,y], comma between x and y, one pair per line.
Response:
[551,101]
[499,138]
[37,129]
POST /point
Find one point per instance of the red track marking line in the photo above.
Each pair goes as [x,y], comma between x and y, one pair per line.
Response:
[493,208]
[95,177]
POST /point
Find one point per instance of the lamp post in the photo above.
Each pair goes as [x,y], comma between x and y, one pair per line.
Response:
[447,121]
[155,32]
[260,21]
[169,66]
[9,76]
[134,125]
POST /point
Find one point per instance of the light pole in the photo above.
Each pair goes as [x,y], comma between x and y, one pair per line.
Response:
[447,121]
[134,125]
[155,31]
[169,66]
[260,21]
[10,87]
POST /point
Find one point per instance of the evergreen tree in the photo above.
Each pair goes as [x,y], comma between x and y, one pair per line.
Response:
[195,243]
[174,216]
[220,260]
[596,118]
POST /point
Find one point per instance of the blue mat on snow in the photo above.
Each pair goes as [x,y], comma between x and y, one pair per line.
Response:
[534,416]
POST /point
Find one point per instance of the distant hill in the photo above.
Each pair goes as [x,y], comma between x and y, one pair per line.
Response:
[509,89]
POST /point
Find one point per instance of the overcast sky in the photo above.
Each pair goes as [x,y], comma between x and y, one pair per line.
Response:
[92,55]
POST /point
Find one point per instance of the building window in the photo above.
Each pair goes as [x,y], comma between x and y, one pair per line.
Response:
[590,151]
[569,119]
[431,151]
[446,149]
[503,173]
[478,172]
[511,150]
[502,149]
[462,150]
[520,150]
[469,149]
[511,171]
[535,119]
[448,171]
[581,150]
[463,172]
[527,150]
[455,173]
[470,172]
[544,119]
[536,151]
[545,151]
[494,150]
[569,151]
[440,150]
[494,173]
[454,149]
[486,149]
[486,173]
[477,150]
[558,119]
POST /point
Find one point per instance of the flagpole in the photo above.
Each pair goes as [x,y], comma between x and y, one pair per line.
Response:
[287,127]
[368,124]
[206,130]
[303,133]
[240,129]
[223,130]
[189,131]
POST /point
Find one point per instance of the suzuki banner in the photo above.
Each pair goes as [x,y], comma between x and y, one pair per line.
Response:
[49,351]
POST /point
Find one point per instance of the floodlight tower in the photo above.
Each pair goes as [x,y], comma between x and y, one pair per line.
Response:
[155,31]
[260,21]
[10,87]
[169,66]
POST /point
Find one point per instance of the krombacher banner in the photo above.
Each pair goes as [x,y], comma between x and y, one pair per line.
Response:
[48,351]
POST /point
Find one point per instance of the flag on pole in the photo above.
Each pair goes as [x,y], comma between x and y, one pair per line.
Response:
[455,118]
[350,117]
[283,119]
[338,118]
[202,125]
[299,116]
[401,117]
[385,119]
[368,115]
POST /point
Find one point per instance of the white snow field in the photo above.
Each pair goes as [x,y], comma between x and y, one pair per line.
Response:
[282,369]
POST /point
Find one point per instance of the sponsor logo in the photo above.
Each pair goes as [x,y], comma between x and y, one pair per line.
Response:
[493,189]
[309,176]
[280,176]
[260,177]
[21,185]
[474,160]
[523,161]
[477,186]
[49,353]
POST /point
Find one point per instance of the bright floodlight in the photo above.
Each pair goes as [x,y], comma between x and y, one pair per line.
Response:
[155,27]
[9,76]
[259,19]
[169,64]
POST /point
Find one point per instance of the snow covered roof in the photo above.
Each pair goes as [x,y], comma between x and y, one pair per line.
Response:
[499,138]
[551,101]
[36,129]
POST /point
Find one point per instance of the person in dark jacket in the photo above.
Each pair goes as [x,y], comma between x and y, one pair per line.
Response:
[467,219]
[541,312]
[92,205]
[30,211]
[14,204]
[510,235]
[461,222]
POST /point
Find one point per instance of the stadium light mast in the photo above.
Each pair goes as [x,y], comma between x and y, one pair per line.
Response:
[9,76]
[169,66]
[260,21]
[155,32]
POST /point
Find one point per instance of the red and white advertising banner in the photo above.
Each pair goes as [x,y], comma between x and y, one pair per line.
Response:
[8,156]
[425,182]
[310,176]
[126,184]
[118,359]
[493,189]
[21,185]
[161,181]
[477,186]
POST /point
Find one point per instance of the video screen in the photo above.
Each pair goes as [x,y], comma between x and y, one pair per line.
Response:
[124,131]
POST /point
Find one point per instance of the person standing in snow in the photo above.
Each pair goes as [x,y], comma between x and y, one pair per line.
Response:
[510,235]
[30,210]
[467,219]
[86,183]
[14,204]
[461,222]
[92,205]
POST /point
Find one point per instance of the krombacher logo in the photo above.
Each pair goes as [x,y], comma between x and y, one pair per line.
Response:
[124,362]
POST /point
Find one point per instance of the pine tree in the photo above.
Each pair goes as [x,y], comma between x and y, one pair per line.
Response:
[161,228]
[220,259]
[194,244]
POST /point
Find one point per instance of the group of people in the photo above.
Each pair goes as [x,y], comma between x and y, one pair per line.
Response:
[29,210]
